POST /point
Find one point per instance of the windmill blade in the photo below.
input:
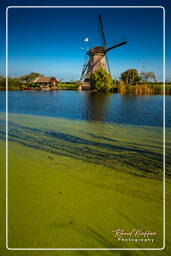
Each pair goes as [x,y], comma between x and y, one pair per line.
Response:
[117,45]
[85,66]
[107,61]
[91,66]
[102,30]
[104,41]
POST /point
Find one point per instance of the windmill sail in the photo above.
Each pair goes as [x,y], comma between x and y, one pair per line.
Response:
[96,56]
[104,40]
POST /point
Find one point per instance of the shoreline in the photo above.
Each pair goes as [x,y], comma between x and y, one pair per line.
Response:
[115,91]
[123,89]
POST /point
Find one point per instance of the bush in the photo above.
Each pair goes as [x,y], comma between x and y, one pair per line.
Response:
[101,80]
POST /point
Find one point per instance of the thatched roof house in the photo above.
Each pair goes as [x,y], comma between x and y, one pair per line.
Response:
[46,80]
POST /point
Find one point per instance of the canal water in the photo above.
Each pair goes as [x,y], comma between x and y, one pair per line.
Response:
[85,105]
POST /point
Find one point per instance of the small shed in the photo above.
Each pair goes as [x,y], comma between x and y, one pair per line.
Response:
[49,81]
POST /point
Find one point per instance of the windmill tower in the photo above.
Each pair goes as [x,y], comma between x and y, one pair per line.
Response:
[97,57]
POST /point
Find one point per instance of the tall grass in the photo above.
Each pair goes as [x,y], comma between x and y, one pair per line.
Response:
[142,89]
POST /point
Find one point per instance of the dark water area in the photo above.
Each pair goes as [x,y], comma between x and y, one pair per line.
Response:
[86,105]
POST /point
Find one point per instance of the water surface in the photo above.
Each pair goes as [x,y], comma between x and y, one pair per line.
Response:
[85,105]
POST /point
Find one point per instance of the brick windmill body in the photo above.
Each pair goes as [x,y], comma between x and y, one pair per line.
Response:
[96,58]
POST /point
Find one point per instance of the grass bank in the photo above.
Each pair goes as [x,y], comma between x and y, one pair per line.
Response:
[67,86]
[139,89]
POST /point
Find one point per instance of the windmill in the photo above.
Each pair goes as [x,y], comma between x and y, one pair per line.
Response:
[97,57]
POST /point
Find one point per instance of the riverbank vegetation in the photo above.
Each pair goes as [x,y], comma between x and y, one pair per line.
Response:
[130,82]
[68,85]
[136,83]
[101,80]
[27,82]
[142,89]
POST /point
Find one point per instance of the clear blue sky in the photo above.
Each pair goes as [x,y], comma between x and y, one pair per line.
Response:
[49,40]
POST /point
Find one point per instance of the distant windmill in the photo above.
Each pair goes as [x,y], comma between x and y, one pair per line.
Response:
[94,59]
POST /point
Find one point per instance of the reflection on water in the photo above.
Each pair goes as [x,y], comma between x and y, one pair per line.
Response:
[96,105]
[86,105]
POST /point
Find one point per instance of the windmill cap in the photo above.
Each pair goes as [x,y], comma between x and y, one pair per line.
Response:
[97,49]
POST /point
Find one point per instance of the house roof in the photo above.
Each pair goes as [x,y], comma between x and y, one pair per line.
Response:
[44,79]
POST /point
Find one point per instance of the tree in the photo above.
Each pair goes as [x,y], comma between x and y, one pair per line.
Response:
[147,76]
[101,80]
[2,80]
[130,76]
[29,77]
[15,82]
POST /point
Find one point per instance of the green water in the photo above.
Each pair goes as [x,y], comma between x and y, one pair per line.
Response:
[71,183]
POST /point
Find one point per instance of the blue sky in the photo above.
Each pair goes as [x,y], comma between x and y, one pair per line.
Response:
[49,40]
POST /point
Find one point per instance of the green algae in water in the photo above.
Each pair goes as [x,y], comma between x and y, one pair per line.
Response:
[72,182]
[136,148]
